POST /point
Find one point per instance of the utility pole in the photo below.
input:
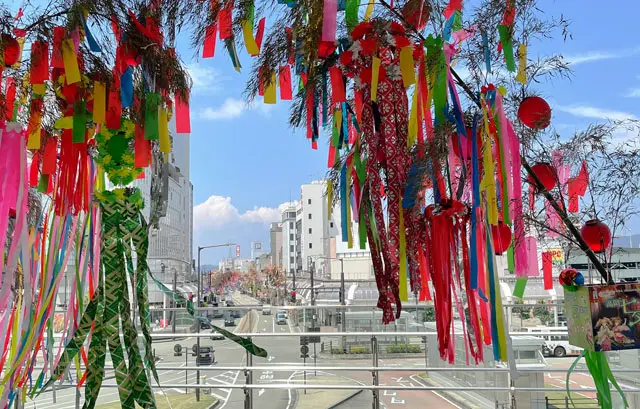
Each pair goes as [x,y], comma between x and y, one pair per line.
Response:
[174,314]
[199,295]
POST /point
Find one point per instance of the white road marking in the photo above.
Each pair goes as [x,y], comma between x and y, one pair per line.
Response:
[260,392]
[419,382]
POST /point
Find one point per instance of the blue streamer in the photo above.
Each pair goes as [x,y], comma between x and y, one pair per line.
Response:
[126,88]
[93,45]
[409,196]
[343,202]
[446,33]
[487,53]
[345,125]
[475,181]
[492,294]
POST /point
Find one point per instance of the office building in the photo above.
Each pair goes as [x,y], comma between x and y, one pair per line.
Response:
[288,243]
[275,241]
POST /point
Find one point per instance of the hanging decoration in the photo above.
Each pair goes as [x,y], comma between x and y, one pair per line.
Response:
[534,112]
[597,235]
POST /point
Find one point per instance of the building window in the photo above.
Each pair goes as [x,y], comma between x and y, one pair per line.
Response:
[310,245]
[291,225]
[291,248]
[308,201]
[332,225]
[291,261]
[309,230]
[309,216]
[291,236]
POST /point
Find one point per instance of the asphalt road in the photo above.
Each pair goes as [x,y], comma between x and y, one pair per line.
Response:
[282,351]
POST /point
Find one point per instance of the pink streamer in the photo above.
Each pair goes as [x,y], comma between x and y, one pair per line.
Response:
[532,253]
[329,20]
[518,221]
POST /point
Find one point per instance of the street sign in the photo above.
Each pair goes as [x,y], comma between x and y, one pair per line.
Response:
[304,350]
[304,340]
[237,250]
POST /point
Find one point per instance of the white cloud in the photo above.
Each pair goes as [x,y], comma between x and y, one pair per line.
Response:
[592,56]
[205,79]
[232,108]
[633,93]
[586,111]
[218,211]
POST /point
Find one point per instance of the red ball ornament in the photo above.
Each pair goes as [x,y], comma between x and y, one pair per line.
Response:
[546,173]
[597,235]
[501,235]
[326,48]
[535,113]
[11,49]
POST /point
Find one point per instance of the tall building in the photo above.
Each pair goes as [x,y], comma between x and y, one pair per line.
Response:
[275,244]
[288,243]
[314,234]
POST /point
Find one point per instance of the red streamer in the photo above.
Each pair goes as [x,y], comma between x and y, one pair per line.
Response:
[142,147]
[114,109]
[260,32]
[183,117]
[39,62]
[338,92]
[225,16]
[547,269]
[284,77]
[209,49]
[578,187]
[33,172]
[59,34]
[10,99]
[50,156]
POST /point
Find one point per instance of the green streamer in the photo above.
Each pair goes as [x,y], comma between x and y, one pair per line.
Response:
[242,341]
[151,104]
[351,14]
[511,264]
[43,185]
[79,121]
[521,283]
[436,66]
[507,46]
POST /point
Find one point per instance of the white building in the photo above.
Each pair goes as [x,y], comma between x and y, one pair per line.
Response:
[288,241]
[312,238]
[257,249]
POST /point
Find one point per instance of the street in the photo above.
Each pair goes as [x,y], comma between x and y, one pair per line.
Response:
[283,351]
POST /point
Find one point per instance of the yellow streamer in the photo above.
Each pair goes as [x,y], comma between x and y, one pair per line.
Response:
[270,91]
[163,127]
[249,41]
[70,61]
[65,122]
[329,199]
[488,183]
[16,65]
[375,71]
[39,89]
[521,77]
[404,294]
[413,120]
[406,66]
[34,135]
[369,11]
[99,102]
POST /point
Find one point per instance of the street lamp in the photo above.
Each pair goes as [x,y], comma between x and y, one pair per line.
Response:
[342,298]
[200,248]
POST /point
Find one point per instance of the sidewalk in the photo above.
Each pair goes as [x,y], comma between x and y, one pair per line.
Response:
[323,399]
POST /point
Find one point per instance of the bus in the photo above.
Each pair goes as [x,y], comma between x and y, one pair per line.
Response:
[556,341]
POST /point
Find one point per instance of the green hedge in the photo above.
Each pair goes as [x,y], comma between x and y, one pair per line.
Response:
[403,349]
[359,350]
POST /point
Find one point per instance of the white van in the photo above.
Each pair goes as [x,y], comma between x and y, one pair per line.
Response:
[556,341]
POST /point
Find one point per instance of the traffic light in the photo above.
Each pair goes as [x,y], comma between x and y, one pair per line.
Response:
[293,296]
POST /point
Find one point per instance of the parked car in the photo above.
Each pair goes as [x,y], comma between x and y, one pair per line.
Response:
[281,319]
[266,310]
[235,314]
[216,336]
[229,322]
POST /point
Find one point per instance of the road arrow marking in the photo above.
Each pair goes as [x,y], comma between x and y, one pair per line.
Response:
[260,392]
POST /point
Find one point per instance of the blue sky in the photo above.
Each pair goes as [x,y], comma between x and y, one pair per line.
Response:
[247,158]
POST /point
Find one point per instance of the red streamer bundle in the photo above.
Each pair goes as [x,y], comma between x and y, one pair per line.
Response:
[59,33]
[114,109]
[50,156]
[338,91]
[547,269]
[141,148]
